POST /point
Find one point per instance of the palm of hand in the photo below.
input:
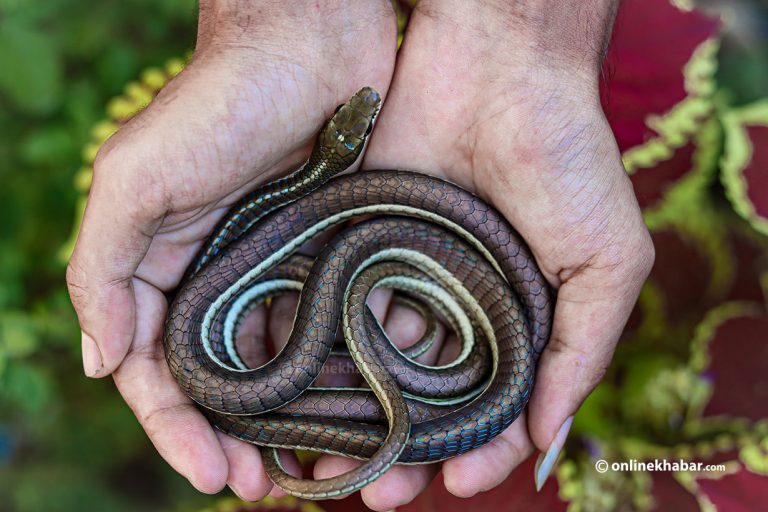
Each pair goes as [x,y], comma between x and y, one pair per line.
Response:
[512,136]
[175,169]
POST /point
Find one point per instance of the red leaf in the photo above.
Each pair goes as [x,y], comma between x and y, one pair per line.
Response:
[351,503]
[652,42]
[745,162]
[635,320]
[271,504]
[756,171]
[750,264]
[516,493]
[650,184]
[668,494]
[742,491]
[681,272]
[738,353]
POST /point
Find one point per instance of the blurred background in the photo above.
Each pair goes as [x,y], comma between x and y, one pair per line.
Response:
[71,71]
[67,443]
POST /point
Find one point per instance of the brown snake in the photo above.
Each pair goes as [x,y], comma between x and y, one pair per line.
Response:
[441,246]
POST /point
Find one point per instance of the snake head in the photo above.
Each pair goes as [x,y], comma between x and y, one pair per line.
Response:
[342,140]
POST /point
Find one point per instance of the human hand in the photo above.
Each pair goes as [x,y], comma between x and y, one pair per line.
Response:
[504,101]
[245,110]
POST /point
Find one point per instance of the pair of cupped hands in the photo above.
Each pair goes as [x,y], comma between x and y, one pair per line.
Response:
[500,98]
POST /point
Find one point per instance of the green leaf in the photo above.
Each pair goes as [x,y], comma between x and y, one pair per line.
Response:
[27,387]
[48,146]
[31,67]
[67,488]
[18,336]
[117,65]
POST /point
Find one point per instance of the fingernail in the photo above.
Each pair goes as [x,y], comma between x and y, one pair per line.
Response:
[546,460]
[92,362]
[234,491]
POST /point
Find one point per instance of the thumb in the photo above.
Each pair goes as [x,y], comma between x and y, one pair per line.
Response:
[593,304]
[111,244]
[163,181]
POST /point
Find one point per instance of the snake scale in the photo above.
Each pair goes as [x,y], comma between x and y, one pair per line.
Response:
[448,255]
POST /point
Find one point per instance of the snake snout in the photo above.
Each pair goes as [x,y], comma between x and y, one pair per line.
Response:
[370,97]
[346,132]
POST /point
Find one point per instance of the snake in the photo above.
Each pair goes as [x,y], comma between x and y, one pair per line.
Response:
[449,256]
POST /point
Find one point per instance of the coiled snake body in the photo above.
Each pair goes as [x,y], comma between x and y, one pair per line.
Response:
[427,238]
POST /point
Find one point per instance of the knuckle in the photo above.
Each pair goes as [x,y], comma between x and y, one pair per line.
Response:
[141,193]
[638,257]
[510,449]
[558,345]
[108,162]
[590,365]
[646,256]
[155,418]
[76,285]
[633,257]
[143,353]
[597,373]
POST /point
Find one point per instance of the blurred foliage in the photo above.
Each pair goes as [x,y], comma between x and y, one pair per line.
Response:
[61,62]
[743,54]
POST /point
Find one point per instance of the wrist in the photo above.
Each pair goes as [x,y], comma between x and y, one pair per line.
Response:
[566,38]
[281,22]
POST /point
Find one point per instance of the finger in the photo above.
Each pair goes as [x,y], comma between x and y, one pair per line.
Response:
[178,430]
[246,476]
[450,350]
[127,202]
[486,467]
[591,310]
[282,312]
[433,354]
[403,325]
[379,302]
[251,338]
[281,319]
[111,244]
[588,236]
[397,486]
[292,466]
